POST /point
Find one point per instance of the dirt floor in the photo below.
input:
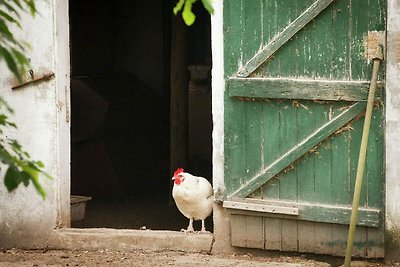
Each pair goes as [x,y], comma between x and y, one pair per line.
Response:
[33,258]
[134,212]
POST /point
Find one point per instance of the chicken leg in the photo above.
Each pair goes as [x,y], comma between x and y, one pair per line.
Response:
[203,227]
[190,228]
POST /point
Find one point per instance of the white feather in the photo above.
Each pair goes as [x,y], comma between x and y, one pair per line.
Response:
[193,197]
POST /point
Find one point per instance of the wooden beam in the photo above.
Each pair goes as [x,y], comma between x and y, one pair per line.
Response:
[179,95]
[314,212]
[283,37]
[242,205]
[299,150]
[290,88]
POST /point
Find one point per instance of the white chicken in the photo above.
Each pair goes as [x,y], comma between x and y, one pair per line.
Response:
[193,196]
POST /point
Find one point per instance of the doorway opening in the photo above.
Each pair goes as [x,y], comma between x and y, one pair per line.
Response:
[121,141]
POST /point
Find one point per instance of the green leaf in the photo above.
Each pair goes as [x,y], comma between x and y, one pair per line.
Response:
[10,8]
[31,5]
[40,164]
[4,103]
[188,16]
[21,58]
[25,178]
[4,31]
[208,6]
[9,18]
[179,6]
[12,179]
[11,63]
[3,119]
[34,177]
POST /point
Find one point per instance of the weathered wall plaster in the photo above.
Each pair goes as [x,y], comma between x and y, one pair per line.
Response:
[221,217]
[25,219]
[393,131]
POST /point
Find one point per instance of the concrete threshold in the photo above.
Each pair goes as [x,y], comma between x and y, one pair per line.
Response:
[129,240]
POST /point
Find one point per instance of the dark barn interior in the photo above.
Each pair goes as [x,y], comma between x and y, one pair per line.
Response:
[122,150]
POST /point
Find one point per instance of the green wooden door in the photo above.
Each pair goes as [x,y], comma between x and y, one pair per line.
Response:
[297,75]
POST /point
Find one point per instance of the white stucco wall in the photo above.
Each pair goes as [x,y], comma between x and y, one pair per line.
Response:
[25,219]
[218,88]
[222,230]
[393,130]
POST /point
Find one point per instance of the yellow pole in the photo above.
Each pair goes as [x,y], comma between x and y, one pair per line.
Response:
[361,159]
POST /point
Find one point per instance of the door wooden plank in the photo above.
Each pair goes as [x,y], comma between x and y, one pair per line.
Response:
[287,140]
[253,148]
[271,148]
[305,174]
[270,22]
[290,88]
[376,22]
[323,49]
[283,37]
[305,166]
[255,232]
[375,243]
[360,241]
[252,28]
[272,226]
[340,179]
[340,163]
[340,41]
[247,231]
[306,236]
[278,209]
[233,33]
[289,234]
[238,230]
[273,238]
[297,151]
[323,176]
[375,161]
[354,152]
[288,180]
[235,144]
[359,68]
[323,238]
[286,55]
[306,43]
[304,211]
[375,181]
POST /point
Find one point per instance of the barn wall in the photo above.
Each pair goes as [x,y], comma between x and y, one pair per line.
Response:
[393,131]
[40,113]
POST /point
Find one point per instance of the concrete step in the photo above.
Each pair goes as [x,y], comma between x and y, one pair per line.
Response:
[129,240]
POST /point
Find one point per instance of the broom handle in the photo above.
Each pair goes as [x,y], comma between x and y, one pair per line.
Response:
[361,160]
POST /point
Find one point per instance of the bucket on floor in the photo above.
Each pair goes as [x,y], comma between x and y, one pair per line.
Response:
[78,206]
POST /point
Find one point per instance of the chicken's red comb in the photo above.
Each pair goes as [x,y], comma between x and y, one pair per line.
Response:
[178,171]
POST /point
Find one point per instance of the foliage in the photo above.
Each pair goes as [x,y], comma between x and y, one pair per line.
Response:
[187,14]
[20,168]
[11,49]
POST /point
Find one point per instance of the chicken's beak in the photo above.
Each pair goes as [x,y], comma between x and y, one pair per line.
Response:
[173,178]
